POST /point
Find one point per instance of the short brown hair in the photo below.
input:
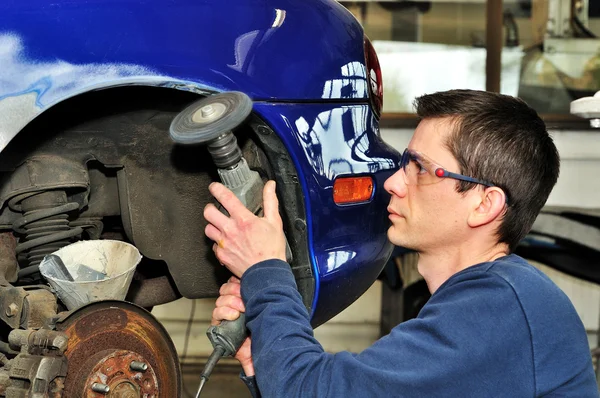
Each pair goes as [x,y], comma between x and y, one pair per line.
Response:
[500,139]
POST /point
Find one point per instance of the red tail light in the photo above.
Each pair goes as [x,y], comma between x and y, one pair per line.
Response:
[374,77]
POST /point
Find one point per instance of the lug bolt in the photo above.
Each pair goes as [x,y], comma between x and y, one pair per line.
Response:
[100,388]
[11,310]
[138,366]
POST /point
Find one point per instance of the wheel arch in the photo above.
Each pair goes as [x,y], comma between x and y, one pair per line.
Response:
[187,92]
[27,106]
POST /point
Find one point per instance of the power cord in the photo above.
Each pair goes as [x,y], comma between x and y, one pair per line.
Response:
[187,341]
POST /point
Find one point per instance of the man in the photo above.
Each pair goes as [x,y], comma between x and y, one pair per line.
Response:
[476,173]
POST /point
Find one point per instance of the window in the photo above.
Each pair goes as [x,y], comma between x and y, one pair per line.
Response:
[427,46]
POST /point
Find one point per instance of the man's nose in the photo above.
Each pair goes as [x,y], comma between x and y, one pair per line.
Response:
[396,184]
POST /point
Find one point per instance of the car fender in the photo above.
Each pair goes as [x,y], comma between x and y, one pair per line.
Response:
[52,51]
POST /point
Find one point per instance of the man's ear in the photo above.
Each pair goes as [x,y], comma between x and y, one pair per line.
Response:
[489,206]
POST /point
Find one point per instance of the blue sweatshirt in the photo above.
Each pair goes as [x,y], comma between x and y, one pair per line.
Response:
[496,329]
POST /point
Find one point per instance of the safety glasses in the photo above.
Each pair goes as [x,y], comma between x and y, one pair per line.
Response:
[420,170]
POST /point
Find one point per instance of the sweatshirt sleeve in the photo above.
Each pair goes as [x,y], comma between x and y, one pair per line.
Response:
[250,382]
[444,352]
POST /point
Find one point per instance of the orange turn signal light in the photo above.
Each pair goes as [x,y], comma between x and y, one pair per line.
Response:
[348,190]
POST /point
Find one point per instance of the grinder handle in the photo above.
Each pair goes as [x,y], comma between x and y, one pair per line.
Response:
[229,335]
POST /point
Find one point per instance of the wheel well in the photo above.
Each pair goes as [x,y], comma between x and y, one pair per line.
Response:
[143,187]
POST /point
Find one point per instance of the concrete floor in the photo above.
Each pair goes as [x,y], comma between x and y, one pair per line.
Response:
[223,383]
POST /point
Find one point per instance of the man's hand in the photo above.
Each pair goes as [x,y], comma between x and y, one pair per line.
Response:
[228,307]
[244,239]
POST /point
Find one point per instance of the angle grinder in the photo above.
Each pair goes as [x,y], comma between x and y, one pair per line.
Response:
[210,121]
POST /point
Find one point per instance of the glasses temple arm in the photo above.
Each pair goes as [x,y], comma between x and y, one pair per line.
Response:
[465,178]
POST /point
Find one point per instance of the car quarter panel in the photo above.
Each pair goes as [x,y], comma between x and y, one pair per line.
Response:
[279,52]
[348,244]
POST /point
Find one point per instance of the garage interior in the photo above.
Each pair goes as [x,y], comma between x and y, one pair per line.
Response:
[546,52]
[449,27]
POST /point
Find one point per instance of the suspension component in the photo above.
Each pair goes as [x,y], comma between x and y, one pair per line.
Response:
[40,368]
[38,342]
[44,225]
[41,193]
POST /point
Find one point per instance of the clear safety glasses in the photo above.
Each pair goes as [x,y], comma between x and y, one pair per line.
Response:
[420,170]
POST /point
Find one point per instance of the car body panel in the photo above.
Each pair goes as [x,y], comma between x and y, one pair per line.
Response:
[310,87]
[348,243]
[53,50]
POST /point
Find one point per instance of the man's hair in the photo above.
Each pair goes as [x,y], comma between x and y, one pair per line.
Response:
[501,140]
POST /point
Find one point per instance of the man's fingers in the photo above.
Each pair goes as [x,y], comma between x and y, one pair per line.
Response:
[231,289]
[229,201]
[234,279]
[212,233]
[214,216]
[224,314]
[271,203]
[232,302]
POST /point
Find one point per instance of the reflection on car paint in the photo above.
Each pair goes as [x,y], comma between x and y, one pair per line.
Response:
[338,258]
[351,85]
[279,18]
[246,44]
[345,130]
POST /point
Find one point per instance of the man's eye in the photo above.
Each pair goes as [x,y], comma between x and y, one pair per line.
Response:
[417,166]
[421,169]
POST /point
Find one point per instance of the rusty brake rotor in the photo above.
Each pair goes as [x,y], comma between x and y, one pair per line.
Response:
[119,350]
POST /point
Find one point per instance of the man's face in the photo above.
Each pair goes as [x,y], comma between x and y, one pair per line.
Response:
[427,217]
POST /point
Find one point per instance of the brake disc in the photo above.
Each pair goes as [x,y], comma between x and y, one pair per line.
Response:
[119,350]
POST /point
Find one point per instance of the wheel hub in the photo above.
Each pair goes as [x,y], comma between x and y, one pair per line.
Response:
[115,370]
[118,350]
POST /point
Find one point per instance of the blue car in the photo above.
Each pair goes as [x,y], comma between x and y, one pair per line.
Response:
[88,94]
